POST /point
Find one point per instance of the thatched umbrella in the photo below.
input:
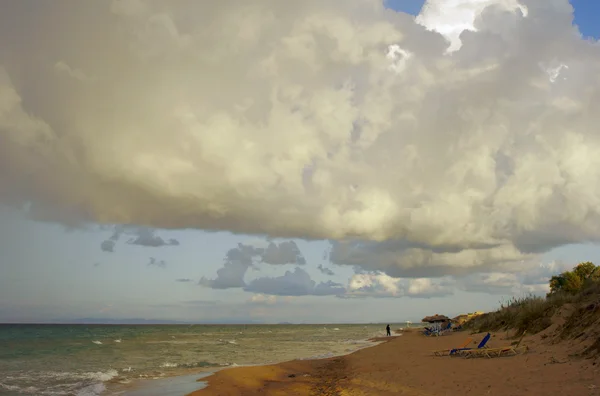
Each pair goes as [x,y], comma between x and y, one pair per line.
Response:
[435,319]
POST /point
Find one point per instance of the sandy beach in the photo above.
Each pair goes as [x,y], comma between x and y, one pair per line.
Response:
[405,365]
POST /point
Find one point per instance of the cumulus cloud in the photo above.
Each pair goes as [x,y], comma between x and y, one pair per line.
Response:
[240,259]
[522,278]
[286,252]
[378,284]
[400,258]
[296,283]
[325,270]
[231,275]
[236,263]
[452,17]
[311,119]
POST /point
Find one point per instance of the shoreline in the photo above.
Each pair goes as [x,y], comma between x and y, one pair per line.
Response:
[406,365]
[227,377]
[153,386]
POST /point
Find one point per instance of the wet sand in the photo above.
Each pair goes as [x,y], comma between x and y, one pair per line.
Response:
[170,386]
[405,365]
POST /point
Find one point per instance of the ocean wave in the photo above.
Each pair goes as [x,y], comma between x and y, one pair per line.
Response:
[30,390]
[92,390]
[321,356]
[54,383]
[57,375]
[199,364]
[231,342]
[358,342]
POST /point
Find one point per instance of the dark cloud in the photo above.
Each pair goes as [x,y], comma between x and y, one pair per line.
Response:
[325,270]
[108,246]
[236,263]
[403,259]
[184,280]
[157,263]
[140,236]
[244,257]
[147,237]
[231,275]
[286,252]
[296,283]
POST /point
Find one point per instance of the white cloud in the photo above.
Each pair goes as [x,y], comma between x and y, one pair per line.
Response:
[452,17]
[284,118]
[262,299]
[382,285]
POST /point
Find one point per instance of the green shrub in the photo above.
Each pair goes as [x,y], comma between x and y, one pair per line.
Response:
[575,280]
[533,313]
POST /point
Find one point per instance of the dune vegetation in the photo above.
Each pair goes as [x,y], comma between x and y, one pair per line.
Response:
[572,306]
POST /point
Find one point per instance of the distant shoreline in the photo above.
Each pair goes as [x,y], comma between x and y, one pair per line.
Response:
[413,324]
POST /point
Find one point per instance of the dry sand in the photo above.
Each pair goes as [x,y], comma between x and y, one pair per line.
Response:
[405,366]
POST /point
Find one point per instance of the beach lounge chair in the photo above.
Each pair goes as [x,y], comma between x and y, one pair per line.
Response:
[446,352]
[461,351]
[436,331]
[447,329]
[500,351]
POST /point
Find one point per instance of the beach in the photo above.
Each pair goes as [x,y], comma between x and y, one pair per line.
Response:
[404,365]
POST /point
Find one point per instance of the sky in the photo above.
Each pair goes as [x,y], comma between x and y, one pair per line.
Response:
[308,162]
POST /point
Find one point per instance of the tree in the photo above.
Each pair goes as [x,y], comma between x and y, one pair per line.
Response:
[575,280]
[586,271]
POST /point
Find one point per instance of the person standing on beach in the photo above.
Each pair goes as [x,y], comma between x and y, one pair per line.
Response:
[387,328]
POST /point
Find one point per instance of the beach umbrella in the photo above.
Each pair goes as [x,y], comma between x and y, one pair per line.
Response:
[435,319]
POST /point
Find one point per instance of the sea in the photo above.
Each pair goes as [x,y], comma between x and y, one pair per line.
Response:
[90,360]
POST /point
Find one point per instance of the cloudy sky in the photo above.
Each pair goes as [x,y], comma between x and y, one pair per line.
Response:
[303,161]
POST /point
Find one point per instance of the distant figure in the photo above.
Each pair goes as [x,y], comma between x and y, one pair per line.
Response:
[387,328]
